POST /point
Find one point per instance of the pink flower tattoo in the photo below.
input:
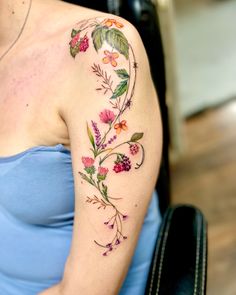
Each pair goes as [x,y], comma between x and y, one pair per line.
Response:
[88,162]
[107,116]
[84,44]
[102,171]
[78,43]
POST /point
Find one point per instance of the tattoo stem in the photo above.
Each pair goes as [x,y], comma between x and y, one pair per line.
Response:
[109,153]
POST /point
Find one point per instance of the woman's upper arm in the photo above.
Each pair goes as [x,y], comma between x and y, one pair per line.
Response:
[113,121]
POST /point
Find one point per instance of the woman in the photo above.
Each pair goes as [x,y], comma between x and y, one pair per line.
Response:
[80,144]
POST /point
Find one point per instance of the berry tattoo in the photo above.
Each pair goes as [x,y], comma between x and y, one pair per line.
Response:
[106,145]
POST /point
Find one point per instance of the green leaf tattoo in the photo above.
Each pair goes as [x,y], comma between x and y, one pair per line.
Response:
[117,40]
[122,73]
[90,135]
[74,51]
[120,89]
[99,36]
[136,136]
[74,32]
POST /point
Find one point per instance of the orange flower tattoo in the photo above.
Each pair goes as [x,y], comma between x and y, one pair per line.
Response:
[109,22]
[110,58]
[120,126]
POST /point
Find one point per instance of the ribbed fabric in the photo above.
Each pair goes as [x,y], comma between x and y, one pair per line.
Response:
[36,223]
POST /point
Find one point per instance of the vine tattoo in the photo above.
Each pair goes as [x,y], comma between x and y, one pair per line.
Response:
[119,96]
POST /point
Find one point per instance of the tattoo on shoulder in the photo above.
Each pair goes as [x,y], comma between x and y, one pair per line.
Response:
[117,87]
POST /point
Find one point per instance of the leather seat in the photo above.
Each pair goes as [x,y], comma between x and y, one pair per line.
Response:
[179,265]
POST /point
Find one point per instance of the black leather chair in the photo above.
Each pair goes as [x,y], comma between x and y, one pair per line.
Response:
[179,264]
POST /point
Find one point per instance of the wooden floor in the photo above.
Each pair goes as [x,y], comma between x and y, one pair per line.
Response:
[206,177]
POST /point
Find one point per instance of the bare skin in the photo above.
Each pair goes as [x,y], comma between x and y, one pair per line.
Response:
[29,99]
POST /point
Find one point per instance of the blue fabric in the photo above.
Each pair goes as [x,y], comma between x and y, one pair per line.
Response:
[36,222]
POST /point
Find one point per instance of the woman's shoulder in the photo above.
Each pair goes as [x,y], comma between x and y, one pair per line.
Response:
[77,29]
[88,39]
[72,16]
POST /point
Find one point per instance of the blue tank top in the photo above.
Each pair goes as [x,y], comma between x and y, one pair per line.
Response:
[36,223]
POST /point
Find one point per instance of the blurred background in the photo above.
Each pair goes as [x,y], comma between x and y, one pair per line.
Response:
[201,70]
[191,45]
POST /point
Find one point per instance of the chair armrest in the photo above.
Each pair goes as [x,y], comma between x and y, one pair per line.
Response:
[179,265]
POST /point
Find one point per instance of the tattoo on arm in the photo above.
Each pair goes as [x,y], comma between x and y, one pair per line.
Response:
[119,97]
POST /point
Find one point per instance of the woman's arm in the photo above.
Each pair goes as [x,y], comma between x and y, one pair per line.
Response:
[113,121]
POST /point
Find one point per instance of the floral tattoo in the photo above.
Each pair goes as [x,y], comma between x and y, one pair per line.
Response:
[103,146]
